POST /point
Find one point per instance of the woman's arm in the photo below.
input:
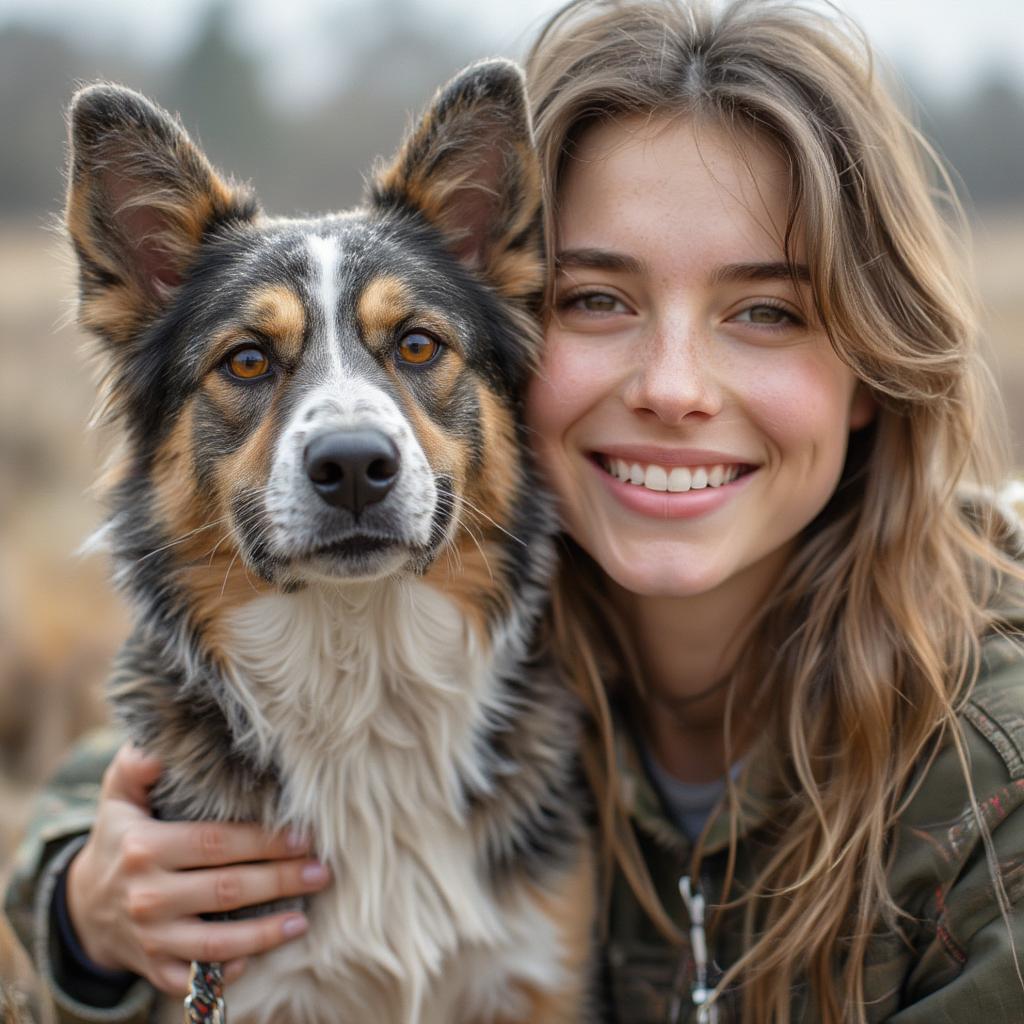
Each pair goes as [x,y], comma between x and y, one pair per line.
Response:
[135,887]
[972,970]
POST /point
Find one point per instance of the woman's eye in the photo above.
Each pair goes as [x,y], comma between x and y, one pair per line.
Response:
[418,349]
[767,315]
[247,363]
[595,302]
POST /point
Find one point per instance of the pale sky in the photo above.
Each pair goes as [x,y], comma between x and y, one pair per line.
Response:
[944,43]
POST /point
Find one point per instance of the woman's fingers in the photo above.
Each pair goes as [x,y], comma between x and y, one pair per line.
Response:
[130,775]
[234,969]
[170,976]
[206,844]
[215,890]
[220,941]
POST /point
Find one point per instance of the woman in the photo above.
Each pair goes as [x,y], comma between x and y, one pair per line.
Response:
[759,406]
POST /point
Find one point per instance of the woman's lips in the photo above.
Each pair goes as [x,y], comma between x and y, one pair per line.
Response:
[671,489]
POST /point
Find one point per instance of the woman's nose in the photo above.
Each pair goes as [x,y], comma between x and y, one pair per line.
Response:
[675,376]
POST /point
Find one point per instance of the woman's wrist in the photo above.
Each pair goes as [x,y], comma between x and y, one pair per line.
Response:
[83,977]
[75,885]
[75,972]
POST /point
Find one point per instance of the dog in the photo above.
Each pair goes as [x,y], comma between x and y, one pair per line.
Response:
[337,552]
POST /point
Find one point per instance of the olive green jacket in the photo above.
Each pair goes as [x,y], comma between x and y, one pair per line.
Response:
[954,964]
[955,961]
[61,818]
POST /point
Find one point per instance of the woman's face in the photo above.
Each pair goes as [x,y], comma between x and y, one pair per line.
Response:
[690,415]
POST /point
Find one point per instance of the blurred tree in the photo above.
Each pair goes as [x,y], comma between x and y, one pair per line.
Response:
[399,56]
[982,136]
[392,54]
[34,87]
[39,70]
[218,90]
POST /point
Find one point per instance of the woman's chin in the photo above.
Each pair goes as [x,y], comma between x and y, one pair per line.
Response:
[677,575]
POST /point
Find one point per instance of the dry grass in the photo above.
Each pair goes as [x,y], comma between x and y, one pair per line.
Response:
[59,622]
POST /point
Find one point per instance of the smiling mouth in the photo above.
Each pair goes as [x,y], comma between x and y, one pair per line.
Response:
[672,479]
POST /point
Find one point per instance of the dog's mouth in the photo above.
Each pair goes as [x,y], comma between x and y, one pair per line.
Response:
[352,556]
[360,545]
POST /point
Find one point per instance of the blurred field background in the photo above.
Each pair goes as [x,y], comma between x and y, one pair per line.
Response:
[302,114]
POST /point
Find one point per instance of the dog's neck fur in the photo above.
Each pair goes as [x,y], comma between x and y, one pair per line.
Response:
[366,698]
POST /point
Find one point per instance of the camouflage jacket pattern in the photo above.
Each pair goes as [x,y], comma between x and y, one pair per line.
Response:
[954,964]
[61,817]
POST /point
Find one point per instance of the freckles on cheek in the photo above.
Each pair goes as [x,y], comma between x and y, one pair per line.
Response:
[553,394]
[801,402]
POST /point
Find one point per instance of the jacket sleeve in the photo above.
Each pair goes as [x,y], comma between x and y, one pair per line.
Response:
[61,818]
[974,971]
[971,968]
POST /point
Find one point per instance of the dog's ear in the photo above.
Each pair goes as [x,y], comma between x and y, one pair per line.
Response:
[141,199]
[470,168]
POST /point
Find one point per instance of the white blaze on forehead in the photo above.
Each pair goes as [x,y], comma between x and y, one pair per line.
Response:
[342,398]
[325,255]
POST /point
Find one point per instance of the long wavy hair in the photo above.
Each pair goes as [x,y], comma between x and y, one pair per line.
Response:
[870,643]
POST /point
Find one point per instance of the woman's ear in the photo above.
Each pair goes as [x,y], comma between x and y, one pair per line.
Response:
[863,406]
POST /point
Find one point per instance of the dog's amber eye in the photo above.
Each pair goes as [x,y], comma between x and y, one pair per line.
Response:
[418,349]
[247,363]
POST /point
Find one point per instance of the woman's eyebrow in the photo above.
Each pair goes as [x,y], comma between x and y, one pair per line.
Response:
[779,271]
[598,259]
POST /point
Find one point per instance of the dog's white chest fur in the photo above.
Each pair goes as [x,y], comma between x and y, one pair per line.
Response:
[370,700]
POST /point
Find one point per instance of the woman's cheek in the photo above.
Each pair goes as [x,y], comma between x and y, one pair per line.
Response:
[799,397]
[558,394]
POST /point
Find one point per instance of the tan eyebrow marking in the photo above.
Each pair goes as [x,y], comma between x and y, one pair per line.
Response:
[384,303]
[277,311]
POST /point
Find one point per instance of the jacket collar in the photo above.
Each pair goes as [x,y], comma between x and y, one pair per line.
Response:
[646,808]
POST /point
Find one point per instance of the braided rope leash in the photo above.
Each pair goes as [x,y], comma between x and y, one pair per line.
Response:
[204,1003]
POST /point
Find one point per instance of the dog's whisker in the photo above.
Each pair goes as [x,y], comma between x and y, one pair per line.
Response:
[483,554]
[227,572]
[181,539]
[496,525]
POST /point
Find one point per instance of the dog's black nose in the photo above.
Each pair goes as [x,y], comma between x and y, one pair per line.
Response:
[352,468]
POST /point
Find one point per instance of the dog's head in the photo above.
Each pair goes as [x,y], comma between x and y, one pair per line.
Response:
[324,398]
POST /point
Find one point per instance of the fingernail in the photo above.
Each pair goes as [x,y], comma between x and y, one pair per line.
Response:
[297,840]
[295,925]
[314,873]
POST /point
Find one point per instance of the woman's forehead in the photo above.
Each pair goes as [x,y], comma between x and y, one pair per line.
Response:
[649,182]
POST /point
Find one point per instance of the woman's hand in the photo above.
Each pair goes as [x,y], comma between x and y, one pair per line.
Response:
[136,888]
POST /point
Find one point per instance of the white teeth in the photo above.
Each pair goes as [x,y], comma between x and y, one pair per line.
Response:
[679,479]
[656,478]
[676,479]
